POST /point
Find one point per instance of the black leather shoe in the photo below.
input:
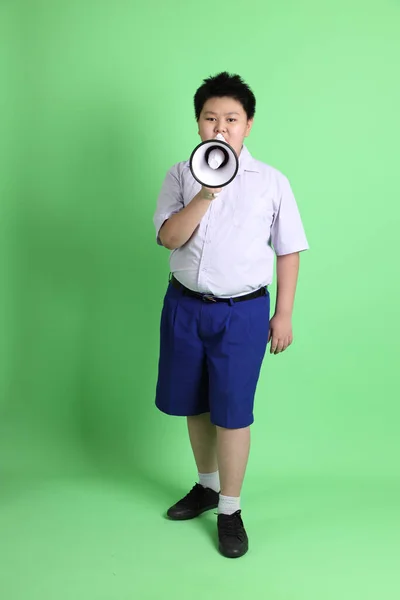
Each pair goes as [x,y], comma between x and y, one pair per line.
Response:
[233,540]
[197,501]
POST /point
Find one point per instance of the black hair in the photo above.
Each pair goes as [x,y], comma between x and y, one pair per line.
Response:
[222,85]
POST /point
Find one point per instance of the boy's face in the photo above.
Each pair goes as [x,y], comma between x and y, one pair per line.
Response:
[226,116]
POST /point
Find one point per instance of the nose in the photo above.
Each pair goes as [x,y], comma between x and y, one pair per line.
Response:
[220,128]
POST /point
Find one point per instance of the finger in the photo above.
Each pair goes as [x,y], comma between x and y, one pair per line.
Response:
[269,336]
[279,347]
[286,343]
[274,344]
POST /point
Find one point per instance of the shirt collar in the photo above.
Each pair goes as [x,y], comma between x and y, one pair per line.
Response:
[247,162]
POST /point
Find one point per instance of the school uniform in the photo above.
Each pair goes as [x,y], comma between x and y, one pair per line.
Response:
[215,317]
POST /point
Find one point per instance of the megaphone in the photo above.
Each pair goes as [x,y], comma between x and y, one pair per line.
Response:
[214,163]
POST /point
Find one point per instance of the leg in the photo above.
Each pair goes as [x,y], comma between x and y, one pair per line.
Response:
[235,351]
[203,439]
[233,446]
[205,495]
[182,390]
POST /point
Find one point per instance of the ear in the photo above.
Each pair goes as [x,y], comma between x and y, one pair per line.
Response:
[249,126]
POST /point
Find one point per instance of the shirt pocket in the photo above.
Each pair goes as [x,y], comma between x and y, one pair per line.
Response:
[254,215]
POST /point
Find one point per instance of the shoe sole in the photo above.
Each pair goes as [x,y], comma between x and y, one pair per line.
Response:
[226,555]
[197,514]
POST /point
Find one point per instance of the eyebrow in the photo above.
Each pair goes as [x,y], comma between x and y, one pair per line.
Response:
[210,112]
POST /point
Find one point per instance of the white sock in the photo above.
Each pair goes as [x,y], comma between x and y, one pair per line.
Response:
[210,480]
[228,505]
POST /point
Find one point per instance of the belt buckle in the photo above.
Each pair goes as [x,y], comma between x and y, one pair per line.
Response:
[208,298]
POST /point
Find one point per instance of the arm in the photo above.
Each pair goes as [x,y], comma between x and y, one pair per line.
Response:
[287,270]
[281,334]
[179,228]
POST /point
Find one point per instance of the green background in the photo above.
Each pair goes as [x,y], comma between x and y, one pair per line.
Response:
[96,105]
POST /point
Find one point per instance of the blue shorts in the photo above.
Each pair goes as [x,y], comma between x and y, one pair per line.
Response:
[210,357]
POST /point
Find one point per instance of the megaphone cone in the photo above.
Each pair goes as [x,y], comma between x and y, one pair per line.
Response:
[214,163]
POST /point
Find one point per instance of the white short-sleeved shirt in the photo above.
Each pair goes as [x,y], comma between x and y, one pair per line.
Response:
[232,250]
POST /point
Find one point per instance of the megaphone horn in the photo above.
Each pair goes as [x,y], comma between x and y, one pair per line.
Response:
[214,163]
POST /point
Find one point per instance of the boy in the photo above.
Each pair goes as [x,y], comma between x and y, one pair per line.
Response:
[215,321]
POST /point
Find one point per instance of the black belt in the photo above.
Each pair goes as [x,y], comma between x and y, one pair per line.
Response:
[210,298]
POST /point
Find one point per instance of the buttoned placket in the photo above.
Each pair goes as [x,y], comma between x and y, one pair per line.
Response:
[213,213]
[206,253]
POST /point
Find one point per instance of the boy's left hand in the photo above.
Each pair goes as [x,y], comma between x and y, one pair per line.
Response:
[280,333]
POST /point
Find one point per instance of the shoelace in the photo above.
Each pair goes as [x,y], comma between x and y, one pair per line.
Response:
[194,494]
[232,527]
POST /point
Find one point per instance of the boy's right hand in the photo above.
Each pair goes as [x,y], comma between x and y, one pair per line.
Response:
[210,193]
